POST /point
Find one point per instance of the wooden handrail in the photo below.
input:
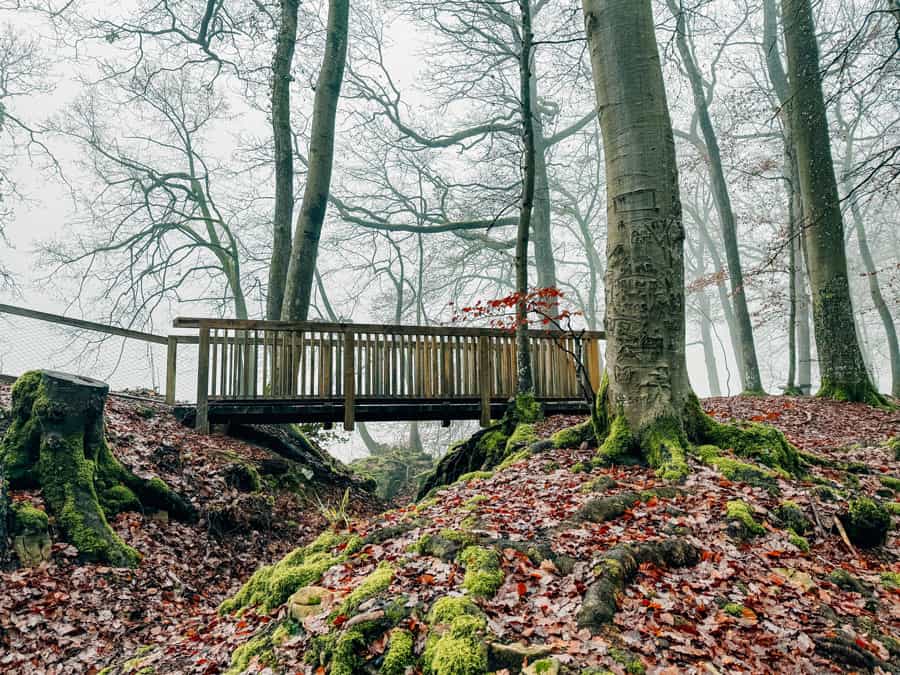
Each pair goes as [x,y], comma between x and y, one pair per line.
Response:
[385,329]
[82,324]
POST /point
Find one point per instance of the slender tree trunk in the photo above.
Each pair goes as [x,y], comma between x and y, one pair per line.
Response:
[523,356]
[645,325]
[284,156]
[415,438]
[752,383]
[544,262]
[305,248]
[709,349]
[371,444]
[843,372]
[884,312]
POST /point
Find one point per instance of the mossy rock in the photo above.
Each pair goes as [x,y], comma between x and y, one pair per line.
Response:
[791,517]
[575,436]
[459,650]
[741,523]
[242,477]
[867,522]
[483,574]
[395,470]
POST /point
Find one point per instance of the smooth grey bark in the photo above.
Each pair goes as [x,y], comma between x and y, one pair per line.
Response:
[282,61]
[709,349]
[305,247]
[752,383]
[524,381]
[645,326]
[544,262]
[799,362]
[843,372]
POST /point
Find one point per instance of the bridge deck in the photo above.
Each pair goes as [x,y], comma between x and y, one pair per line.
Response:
[277,371]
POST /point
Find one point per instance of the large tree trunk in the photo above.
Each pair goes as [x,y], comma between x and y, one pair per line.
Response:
[645,325]
[544,262]
[284,156]
[752,382]
[56,441]
[646,403]
[843,372]
[524,381]
[305,249]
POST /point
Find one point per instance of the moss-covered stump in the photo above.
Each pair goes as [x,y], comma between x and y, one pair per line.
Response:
[56,441]
[618,567]
[488,447]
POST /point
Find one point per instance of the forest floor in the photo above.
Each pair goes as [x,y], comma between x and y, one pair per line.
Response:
[758,606]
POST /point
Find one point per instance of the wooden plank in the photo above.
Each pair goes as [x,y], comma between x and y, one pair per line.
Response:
[202,422]
[484,379]
[171,369]
[349,381]
[85,325]
[381,329]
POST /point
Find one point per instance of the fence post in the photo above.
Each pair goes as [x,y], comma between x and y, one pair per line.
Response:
[349,380]
[484,378]
[202,422]
[171,368]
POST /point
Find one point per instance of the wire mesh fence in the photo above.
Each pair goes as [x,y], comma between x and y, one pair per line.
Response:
[125,363]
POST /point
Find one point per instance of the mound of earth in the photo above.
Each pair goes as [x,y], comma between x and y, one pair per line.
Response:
[254,504]
[553,564]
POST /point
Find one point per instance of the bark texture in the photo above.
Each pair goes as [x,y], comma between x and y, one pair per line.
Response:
[56,441]
[752,383]
[645,258]
[285,43]
[305,248]
[843,371]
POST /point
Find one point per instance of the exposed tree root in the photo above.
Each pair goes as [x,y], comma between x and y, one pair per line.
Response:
[618,567]
[861,392]
[843,649]
[609,508]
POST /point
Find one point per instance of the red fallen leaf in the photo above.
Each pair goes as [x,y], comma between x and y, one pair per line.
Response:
[426,579]
[521,589]
[774,554]
[340,620]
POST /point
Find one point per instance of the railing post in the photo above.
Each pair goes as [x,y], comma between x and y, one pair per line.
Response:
[171,367]
[202,422]
[484,378]
[349,380]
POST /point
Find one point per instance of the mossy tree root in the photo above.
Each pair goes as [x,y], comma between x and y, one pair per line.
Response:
[842,648]
[488,447]
[56,441]
[860,392]
[618,567]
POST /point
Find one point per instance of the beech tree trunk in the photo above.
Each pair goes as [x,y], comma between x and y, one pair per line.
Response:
[843,371]
[751,381]
[305,247]
[645,326]
[524,381]
[285,43]
[56,441]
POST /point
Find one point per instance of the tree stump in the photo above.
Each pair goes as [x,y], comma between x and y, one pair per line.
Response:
[56,441]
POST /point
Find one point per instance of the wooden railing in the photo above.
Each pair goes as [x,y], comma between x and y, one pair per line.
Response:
[294,361]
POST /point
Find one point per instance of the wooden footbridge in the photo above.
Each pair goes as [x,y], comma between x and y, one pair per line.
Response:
[275,371]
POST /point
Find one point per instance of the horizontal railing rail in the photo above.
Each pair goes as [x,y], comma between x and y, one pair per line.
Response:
[250,360]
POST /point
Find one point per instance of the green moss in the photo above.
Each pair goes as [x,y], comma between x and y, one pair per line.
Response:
[618,444]
[447,608]
[891,580]
[427,503]
[891,482]
[798,541]
[664,442]
[858,392]
[579,467]
[27,519]
[573,437]
[473,502]
[474,475]
[459,651]
[847,582]
[739,511]
[523,435]
[735,470]
[271,586]
[867,522]
[483,574]
[527,409]
[893,445]
[734,609]
[259,647]
[514,458]
[399,654]
[117,499]
[893,508]
[345,659]
[791,517]
[632,664]
[371,586]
